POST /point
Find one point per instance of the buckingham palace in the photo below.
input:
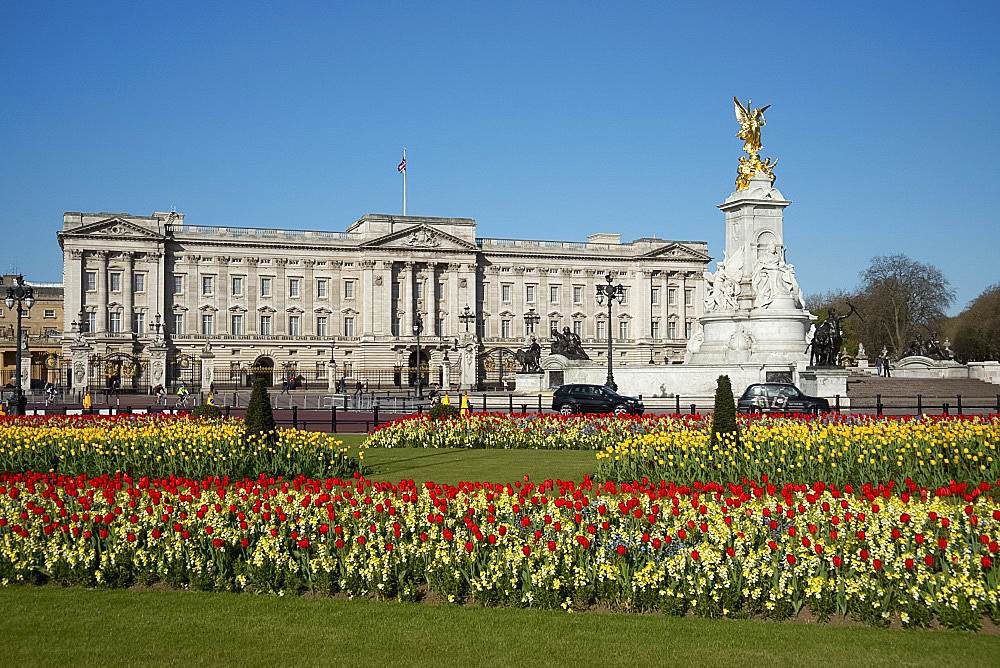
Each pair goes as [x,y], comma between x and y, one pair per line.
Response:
[150,298]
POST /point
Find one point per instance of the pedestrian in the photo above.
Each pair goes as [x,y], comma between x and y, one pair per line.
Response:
[878,365]
[366,387]
[357,387]
[87,403]
[50,393]
[885,367]
[505,389]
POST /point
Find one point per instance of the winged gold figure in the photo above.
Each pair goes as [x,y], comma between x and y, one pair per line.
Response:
[751,121]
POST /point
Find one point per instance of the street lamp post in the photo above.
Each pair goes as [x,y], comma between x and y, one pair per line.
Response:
[418,326]
[23,296]
[531,319]
[467,316]
[611,293]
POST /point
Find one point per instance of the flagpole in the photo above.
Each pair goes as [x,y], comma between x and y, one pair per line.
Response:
[404,180]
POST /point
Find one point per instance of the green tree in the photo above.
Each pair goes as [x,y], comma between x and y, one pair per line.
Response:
[260,417]
[977,330]
[724,415]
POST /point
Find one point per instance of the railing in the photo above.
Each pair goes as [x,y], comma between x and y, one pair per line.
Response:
[173,228]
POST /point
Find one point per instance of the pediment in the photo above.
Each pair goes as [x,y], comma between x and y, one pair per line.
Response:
[420,237]
[114,227]
[675,251]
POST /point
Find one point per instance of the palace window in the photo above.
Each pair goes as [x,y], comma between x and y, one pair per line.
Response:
[178,327]
[505,328]
[672,330]
[577,294]
[439,291]
[395,326]
[438,326]
[578,328]
[349,289]
[237,286]
[321,288]
[688,297]
[293,325]
[139,322]
[505,292]
[554,294]
[138,282]
[553,324]
[293,287]
[115,324]
[265,325]
[418,290]
[206,324]
[529,294]
[671,296]
[265,287]
[654,297]
[321,325]
[349,326]
[654,330]
[602,330]
[116,281]
[623,329]
[687,330]
[91,281]
[236,324]
[178,284]
[206,285]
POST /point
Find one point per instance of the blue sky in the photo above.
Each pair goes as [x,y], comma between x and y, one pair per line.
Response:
[540,120]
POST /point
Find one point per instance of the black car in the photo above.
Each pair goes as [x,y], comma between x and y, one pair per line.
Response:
[779,398]
[580,398]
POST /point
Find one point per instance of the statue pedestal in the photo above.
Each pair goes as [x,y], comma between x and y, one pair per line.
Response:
[207,369]
[828,382]
[79,360]
[467,362]
[158,365]
[529,383]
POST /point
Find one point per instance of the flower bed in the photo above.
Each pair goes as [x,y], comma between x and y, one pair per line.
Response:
[930,450]
[161,446]
[733,550]
[516,431]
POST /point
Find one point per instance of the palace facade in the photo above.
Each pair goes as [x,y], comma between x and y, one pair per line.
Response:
[303,302]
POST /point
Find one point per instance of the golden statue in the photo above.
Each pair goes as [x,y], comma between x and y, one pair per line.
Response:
[751,121]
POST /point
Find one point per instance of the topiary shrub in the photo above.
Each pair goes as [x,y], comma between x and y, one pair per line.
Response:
[441,411]
[724,415]
[260,417]
[207,411]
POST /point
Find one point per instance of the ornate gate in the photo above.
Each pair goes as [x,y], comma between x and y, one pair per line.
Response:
[494,366]
[118,372]
[184,369]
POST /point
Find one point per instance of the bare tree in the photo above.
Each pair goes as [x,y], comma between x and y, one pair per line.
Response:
[900,298]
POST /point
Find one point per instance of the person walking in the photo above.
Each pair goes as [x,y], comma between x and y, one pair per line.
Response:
[885,367]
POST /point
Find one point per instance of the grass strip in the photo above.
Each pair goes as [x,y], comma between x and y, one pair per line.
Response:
[64,626]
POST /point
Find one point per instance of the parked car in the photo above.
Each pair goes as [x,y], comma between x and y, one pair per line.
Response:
[779,398]
[581,398]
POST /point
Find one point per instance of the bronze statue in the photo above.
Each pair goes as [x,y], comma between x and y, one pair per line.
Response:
[568,345]
[530,357]
[828,338]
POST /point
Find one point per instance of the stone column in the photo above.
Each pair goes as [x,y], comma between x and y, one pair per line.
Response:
[367,297]
[102,291]
[406,300]
[127,294]
[432,299]
[223,293]
[159,283]
[644,304]
[280,298]
[252,291]
[308,297]
[331,373]
[73,287]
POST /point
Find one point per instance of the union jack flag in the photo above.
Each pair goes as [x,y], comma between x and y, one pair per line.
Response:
[402,166]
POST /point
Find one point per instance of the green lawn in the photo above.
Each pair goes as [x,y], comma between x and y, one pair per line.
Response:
[454,465]
[56,626]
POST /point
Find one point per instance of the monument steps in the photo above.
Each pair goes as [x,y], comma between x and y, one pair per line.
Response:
[866,386]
